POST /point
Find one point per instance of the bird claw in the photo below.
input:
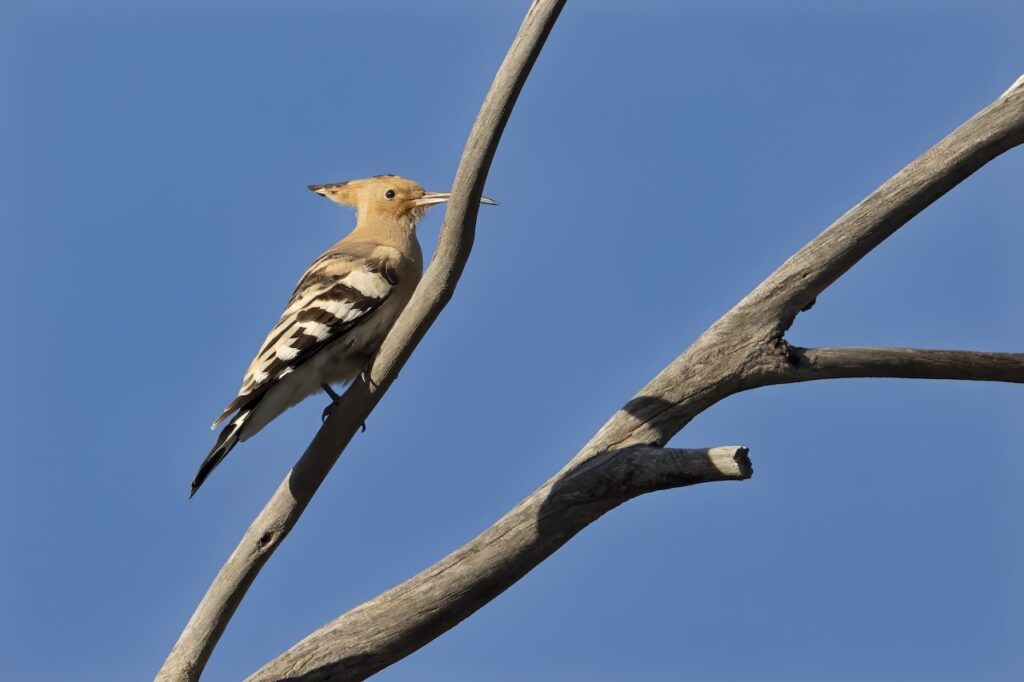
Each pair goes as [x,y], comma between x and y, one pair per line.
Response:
[327,412]
[364,376]
[335,399]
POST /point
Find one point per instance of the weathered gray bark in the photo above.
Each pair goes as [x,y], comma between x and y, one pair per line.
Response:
[744,349]
[380,632]
[808,364]
[196,642]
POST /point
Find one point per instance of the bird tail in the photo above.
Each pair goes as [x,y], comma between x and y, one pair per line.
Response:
[225,441]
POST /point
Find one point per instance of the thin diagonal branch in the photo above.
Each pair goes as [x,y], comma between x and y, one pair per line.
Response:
[193,648]
[810,364]
[391,626]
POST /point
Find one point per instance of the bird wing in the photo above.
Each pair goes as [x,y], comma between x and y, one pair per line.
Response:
[338,291]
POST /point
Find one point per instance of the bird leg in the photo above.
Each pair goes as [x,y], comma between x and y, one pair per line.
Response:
[335,399]
[330,391]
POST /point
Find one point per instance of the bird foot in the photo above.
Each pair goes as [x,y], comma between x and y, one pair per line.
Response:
[335,399]
[364,376]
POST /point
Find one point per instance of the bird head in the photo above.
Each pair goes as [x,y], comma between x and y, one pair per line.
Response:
[386,196]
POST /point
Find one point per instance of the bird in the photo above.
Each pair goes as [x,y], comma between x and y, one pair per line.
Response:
[340,311]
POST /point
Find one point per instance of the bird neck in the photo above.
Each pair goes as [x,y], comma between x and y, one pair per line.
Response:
[393,231]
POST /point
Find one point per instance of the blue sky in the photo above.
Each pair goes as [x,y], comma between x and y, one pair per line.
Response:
[662,160]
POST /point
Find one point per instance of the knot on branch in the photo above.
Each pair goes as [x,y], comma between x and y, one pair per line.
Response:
[786,353]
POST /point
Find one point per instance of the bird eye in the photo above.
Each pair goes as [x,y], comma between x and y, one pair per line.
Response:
[390,194]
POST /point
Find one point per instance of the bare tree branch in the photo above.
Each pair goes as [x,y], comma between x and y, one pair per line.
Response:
[794,286]
[196,642]
[391,626]
[809,364]
[744,349]
[731,355]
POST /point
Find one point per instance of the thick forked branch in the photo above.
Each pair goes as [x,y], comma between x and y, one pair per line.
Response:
[795,285]
[742,350]
[745,342]
[388,628]
[278,517]
[809,364]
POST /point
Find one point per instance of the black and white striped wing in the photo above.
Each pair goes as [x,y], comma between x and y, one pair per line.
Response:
[327,303]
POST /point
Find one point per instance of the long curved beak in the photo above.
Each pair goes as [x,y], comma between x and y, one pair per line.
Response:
[431,198]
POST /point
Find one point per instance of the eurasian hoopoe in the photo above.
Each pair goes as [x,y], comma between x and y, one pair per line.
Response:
[340,311]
